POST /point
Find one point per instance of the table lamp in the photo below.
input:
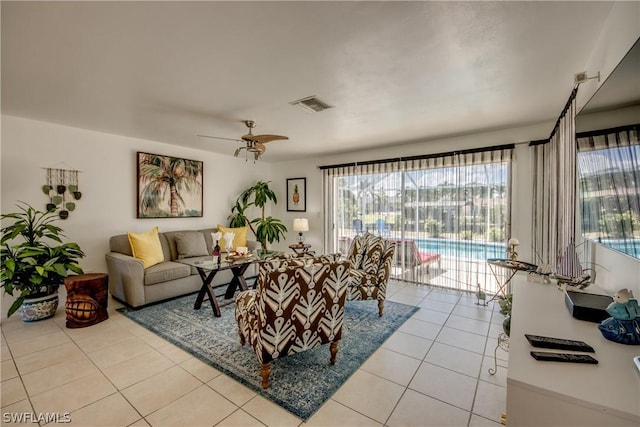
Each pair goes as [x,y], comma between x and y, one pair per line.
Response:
[300,225]
[513,242]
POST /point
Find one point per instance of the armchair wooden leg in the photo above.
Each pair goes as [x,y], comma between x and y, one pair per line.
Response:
[265,371]
[334,352]
[380,307]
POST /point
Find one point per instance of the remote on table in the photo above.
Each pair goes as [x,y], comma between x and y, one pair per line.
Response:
[558,343]
[563,357]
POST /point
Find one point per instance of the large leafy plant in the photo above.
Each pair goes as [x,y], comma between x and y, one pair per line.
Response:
[265,228]
[32,263]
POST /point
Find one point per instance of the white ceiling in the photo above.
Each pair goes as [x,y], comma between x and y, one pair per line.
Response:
[396,72]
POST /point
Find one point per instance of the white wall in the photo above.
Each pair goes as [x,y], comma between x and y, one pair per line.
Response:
[108,181]
[608,119]
[619,32]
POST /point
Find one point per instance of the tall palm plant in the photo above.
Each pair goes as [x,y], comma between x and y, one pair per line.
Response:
[268,229]
[162,173]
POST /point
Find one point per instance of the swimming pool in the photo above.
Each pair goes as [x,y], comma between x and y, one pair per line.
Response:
[463,248]
[629,246]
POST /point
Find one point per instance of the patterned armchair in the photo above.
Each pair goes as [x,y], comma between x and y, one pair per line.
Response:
[298,304]
[371,258]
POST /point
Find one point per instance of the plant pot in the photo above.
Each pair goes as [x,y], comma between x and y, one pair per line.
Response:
[61,189]
[64,214]
[77,195]
[51,207]
[34,309]
[506,325]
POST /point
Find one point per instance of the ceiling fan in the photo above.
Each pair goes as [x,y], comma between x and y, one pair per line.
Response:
[254,143]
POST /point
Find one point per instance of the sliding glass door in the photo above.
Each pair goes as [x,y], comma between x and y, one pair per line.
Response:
[447,214]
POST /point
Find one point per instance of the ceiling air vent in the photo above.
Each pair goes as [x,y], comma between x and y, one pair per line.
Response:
[312,104]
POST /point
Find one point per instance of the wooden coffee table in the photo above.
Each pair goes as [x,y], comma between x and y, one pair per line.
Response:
[207,270]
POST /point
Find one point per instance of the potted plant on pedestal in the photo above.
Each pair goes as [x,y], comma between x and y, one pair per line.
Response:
[267,228]
[35,262]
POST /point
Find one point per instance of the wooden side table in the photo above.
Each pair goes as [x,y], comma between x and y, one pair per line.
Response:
[87,298]
[300,248]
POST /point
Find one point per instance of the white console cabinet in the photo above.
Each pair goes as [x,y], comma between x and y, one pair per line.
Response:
[566,394]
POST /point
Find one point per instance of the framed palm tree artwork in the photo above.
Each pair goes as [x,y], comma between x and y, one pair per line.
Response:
[169,187]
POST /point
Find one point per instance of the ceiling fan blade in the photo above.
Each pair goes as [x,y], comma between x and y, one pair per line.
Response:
[267,138]
[260,147]
[219,137]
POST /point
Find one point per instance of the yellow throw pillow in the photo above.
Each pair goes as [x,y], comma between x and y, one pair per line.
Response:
[146,247]
[240,238]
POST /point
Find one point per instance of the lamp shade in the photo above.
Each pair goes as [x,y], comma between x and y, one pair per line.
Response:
[513,242]
[300,224]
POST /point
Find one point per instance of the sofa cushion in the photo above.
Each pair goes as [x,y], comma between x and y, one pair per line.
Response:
[146,247]
[120,243]
[190,244]
[165,271]
[240,238]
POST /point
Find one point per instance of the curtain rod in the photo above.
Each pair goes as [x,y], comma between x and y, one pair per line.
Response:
[421,157]
[599,132]
[574,92]
[555,127]
[538,142]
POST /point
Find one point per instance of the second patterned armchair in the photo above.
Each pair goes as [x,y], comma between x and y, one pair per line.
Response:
[298,304]
[371,258]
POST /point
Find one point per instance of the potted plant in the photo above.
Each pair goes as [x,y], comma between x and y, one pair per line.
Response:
[505,310]
[267,228]
[35,262]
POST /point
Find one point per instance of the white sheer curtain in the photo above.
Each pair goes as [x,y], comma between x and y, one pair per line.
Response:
[609,170]
[366,188]
[447,213]
[554,190]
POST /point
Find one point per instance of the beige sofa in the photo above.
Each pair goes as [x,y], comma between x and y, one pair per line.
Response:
[129,282]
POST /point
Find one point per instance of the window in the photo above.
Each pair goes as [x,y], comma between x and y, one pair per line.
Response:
[447,213]
[609,172]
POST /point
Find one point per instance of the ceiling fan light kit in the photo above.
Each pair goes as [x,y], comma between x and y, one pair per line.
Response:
[254,143]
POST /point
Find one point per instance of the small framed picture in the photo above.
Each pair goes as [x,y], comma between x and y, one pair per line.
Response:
[296,194]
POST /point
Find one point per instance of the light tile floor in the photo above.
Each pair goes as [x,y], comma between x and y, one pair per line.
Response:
[433,371]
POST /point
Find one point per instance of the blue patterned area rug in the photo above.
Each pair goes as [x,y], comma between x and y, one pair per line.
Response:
[300,383]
